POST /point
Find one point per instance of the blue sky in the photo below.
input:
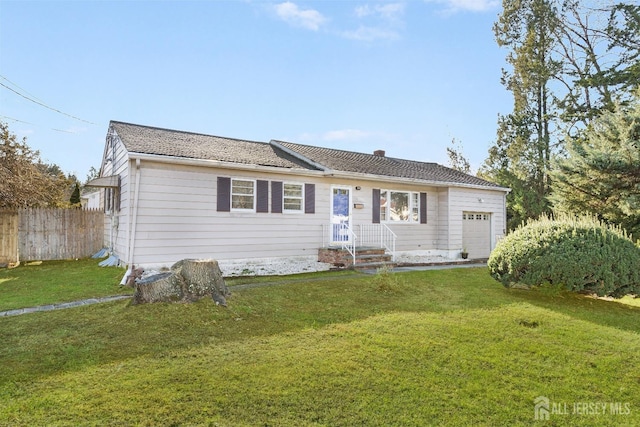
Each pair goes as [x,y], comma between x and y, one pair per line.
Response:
[403,76]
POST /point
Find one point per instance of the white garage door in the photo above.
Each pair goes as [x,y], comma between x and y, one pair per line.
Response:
[476,234]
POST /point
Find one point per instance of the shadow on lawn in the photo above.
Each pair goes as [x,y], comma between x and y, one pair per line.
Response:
[583,307]
[43,344]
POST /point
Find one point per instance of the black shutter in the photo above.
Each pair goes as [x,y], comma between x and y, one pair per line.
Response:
[276,196]
[224,194]
[262,196]
[309,198]
[375,206]
[423,208]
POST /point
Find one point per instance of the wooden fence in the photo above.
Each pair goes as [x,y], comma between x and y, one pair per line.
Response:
[47,234]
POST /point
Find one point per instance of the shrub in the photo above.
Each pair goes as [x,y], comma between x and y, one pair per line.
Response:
[579,254]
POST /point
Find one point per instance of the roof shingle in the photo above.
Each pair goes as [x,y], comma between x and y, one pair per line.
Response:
[167,142]
[349,161]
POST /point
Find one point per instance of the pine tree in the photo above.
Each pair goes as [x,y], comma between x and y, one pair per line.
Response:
[601,172]
[75,196]
[521,156]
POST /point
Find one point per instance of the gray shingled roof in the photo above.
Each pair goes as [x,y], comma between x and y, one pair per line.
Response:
[349,161]
[166,142]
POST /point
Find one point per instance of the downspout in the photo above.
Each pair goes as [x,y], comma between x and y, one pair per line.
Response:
[132,226]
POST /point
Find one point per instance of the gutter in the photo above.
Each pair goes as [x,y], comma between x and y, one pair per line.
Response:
[320,173]
[132,225]
[217,163]
[371,177]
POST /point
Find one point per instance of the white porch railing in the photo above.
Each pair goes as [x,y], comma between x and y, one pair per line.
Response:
[379,235]
[341,234]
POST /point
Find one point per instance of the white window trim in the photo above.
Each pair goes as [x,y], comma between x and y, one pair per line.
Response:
[302,199]
[411,207]
[254,195]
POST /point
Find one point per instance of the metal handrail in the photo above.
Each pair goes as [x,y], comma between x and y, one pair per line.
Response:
[347,238]
[388,240]
[378,235]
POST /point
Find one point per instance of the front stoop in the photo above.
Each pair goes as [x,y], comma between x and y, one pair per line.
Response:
[367,258]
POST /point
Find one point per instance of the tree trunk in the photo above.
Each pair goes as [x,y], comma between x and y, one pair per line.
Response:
[189,280]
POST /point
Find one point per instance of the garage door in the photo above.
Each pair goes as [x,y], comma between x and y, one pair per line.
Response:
[476,234]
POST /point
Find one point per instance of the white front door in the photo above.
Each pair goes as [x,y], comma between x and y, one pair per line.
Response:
[340,214]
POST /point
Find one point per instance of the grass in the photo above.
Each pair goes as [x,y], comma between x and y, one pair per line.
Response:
[449,347]
[58,281]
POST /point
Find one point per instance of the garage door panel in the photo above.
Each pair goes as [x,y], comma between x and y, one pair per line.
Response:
[476,234]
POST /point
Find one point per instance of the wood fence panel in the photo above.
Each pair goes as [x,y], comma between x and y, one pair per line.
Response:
[50,234]
[8,236]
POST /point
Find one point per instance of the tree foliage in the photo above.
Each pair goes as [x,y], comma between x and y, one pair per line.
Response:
[26,181]
[457,160]
[521,156]
[601,172]
[599,48]
[569,61]
[75,200]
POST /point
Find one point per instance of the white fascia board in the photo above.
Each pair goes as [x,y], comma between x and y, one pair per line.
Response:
[220,164]
[400,180]
[304,172]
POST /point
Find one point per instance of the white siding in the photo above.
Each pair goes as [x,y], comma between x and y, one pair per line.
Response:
[177,215]
[116,227]
[178,218]
[444,230]
[469,200]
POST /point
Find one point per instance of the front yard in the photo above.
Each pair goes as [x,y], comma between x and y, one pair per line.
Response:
[450,347]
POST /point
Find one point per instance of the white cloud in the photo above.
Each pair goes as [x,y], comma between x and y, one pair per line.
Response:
[292,14]
[382,22]
[390,11]
[369,34]
[467,5]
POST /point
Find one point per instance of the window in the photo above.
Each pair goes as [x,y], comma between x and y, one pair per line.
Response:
[112,199]
[399,206]
[242,194]
[293,196]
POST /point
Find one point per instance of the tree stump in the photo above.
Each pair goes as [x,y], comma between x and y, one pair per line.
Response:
[188,281]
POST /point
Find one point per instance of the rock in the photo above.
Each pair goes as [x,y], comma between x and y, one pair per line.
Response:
[189,280]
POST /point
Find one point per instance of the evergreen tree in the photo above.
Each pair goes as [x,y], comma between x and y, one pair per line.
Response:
[569,61]
[521,156]
[601,172]
[74,200]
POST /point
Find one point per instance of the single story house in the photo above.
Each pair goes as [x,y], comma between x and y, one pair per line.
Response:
[171,195]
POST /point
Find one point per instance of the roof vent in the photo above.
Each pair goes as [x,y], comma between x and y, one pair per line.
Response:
[379,153]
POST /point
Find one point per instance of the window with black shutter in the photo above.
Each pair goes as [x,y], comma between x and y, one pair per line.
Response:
[224,194]
[309,198]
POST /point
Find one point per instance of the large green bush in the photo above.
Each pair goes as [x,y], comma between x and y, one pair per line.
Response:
[578,254]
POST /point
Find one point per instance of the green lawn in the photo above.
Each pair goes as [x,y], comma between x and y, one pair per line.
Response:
[58,281]
[449,347]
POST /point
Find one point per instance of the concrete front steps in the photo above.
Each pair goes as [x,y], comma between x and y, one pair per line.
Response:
[367,258]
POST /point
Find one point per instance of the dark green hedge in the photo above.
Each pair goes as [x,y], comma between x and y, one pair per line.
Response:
[580,254]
